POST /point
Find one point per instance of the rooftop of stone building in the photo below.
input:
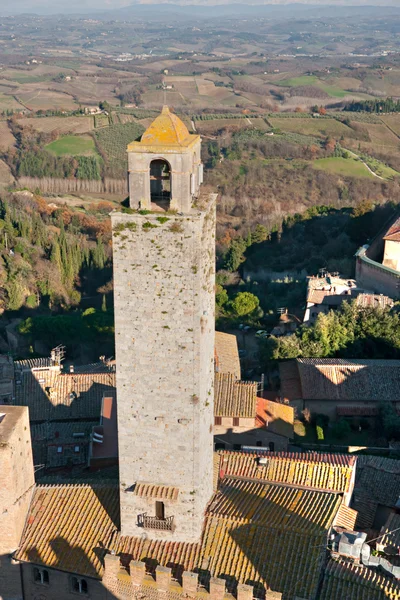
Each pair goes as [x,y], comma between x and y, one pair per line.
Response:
[393,233]
[377,484]
[54,395]
[341,379]
[166,130]
[227,354]
[328,472]
[279,418]
[343,579]
[266,524]
[233,398]
[9,417]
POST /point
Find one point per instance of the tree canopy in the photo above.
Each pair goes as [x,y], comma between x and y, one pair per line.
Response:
[350,332]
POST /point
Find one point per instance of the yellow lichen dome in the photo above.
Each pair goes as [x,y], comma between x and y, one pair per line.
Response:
[167,129]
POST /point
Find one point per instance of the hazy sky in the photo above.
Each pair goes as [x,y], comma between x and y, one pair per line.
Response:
[68,6]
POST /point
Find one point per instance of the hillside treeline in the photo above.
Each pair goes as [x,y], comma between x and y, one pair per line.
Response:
[51,256]
[29,157]
[388,105]
[263,180]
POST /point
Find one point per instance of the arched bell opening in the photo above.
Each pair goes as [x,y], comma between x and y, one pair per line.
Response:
[160,183]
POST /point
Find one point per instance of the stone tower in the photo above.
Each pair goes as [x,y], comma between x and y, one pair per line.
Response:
[164,275]
[17,481]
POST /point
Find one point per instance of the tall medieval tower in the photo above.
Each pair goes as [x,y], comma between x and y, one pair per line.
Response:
[164,275]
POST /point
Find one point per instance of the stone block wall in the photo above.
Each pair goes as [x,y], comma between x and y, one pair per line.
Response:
[16,486]
[164,274]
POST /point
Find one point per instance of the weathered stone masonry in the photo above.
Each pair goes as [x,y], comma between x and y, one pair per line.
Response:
[164,273]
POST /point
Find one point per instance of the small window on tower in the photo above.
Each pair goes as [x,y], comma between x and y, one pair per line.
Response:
[236,421]
[160,510]
[59,449]
[217,420]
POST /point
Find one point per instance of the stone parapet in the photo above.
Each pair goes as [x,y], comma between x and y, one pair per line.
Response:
[116,579]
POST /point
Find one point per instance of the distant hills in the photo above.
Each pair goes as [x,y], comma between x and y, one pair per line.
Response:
[138,7]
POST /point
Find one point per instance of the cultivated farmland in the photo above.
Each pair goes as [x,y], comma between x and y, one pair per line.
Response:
[61,124]
[112,142]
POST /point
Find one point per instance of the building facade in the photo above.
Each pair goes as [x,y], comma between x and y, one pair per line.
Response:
[164,275]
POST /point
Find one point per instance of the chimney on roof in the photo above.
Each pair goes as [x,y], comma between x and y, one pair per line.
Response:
[71,369]
[111,566]
[217,588]
[137,570]
[163,578]
[190,583]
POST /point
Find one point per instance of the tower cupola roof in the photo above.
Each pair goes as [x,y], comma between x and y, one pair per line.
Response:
[166,130]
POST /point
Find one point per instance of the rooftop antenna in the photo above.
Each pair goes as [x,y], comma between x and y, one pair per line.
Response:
[57,355]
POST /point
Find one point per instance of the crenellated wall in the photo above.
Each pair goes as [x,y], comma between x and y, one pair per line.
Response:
[134,582]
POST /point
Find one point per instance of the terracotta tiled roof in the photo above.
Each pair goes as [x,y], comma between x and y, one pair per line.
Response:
[234,398]
[227,354]
[346,581]
[349,380]
[277,417]
[268,534]
[68,526]
[56,396]
[33,363]
[390,542]
[346,518]
[393,233]
[162,492]
[254,530]
[290,380]
[377,482]
[318,471]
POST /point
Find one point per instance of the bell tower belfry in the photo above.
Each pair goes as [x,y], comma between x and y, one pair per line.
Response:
[165,166]
[164,276]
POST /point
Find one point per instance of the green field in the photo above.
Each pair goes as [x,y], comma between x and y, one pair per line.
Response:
[312,80]
[72,145]
[298,81]
[380,168]
[317,127]
[348,167]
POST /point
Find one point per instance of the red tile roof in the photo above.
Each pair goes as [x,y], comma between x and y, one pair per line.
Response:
[276,417]
[331,472]
[346,581]
[393,233]
[56,396]
[254,530]
[227,354]
[234,398]
[348,380]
